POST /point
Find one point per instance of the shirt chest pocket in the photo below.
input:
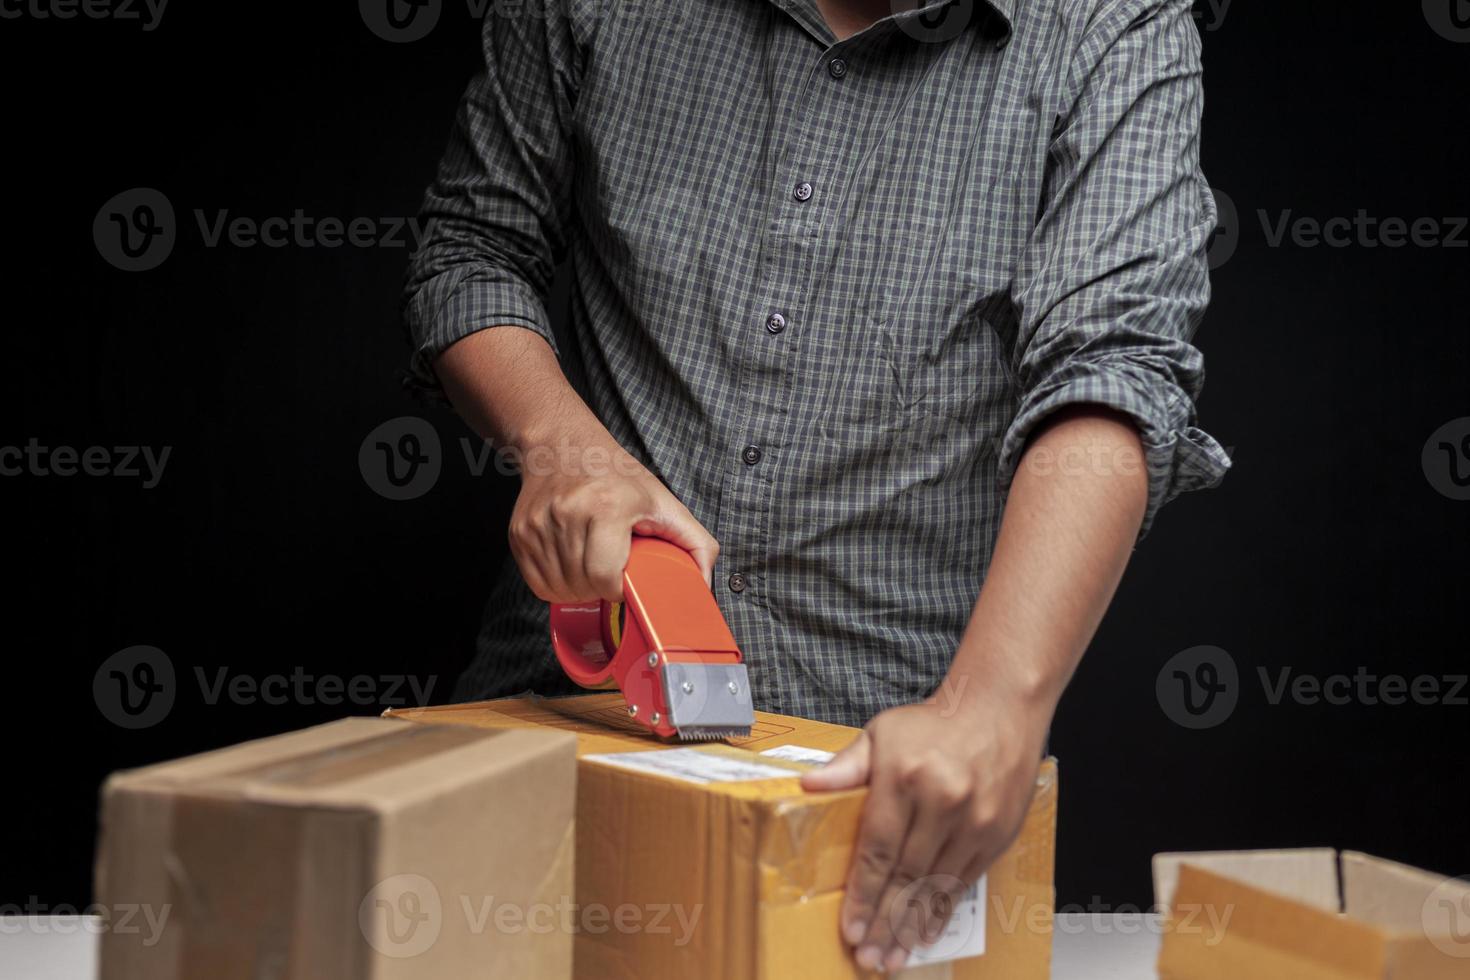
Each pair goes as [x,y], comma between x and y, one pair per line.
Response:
[927,311]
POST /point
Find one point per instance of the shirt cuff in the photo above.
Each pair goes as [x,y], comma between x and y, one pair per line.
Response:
[455,304]
[1179,457]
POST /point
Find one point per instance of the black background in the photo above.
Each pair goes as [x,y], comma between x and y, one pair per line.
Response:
[264,551]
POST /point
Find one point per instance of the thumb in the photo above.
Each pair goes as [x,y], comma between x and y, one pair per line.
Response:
[676,525]
[847,770]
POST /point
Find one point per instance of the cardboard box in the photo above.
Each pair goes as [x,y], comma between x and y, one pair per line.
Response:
[740,877]
[1294,915]
[361,850]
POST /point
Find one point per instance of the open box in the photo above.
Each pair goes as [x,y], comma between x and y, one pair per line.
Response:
[1309,915]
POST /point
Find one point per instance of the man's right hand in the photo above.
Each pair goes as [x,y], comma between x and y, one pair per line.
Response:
[577,513]
[583,496]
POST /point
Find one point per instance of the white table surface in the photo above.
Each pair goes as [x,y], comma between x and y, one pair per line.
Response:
[1084,947]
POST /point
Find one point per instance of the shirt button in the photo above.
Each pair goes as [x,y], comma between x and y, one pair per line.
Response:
[802,192]
[737,582]
[775,323]
[751,455]
[837,68]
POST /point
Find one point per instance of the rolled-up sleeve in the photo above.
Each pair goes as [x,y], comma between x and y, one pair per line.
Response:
[1115,278]
[495,214]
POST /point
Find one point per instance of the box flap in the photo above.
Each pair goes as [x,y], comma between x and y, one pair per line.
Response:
[1221,928]
[1393,895]
[1307,875]
[369,763]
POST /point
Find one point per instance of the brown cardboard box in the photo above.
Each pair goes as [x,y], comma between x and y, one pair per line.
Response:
[367,849]
[744,877]
[1290,915]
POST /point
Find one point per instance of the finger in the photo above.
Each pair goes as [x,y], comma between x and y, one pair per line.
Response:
[605,557]
[886,819]
[674,523]
[929,903]
[530,569]
[567,541]
[847,769]
[548,560]
[905,907]
[921,912]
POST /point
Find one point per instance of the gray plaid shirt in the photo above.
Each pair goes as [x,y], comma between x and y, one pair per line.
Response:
[824,290]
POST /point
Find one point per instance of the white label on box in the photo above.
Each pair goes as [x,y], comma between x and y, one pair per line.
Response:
[692,765]
[964,933]
[800,753]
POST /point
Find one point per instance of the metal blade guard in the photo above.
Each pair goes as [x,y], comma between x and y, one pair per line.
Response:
[666,647]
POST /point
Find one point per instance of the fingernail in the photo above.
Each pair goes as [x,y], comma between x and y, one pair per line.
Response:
[870,958]
[855,931]
[896,959]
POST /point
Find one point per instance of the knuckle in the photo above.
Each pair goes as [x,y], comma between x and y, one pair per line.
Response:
[981,819]
[906,874]
[948,793]
[564,510]
[876,857]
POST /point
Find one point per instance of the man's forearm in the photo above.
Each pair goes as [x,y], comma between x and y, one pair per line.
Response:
[1074,511]
[583,496]
[507,385]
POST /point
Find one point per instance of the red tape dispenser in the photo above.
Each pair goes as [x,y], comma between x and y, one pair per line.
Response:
[666,647]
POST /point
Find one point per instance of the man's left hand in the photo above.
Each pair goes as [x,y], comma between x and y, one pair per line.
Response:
[949,788]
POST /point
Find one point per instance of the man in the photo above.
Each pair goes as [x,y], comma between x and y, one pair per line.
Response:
[874,308]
